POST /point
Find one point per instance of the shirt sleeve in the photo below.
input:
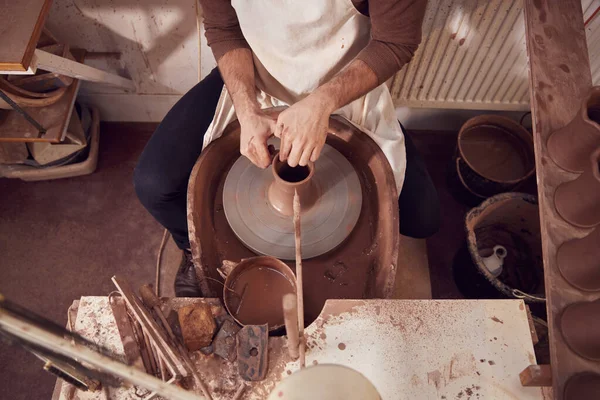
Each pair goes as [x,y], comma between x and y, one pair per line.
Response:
[222,27]
[395,35]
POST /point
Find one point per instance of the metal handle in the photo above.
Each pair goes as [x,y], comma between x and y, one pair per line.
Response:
[522,295]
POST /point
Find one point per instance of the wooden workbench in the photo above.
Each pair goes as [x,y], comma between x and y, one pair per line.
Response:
[409,349]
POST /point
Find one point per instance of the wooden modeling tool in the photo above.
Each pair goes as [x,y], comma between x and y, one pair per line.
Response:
[290,315]
[300,293]
[150,299]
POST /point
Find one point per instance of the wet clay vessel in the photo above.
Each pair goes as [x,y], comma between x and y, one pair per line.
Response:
[258,204]
[580,326]
[570,146]
[287,180]
[254,288]
[583,386]
[579,261]
[363,266]
[578,201]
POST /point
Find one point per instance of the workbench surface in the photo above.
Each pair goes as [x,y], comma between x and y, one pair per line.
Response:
[409,349]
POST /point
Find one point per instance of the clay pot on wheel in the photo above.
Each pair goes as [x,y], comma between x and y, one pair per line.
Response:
[580,326]
[579,261]
[582,386]
[570,146]
[578,201]
[286,181]
[254,290]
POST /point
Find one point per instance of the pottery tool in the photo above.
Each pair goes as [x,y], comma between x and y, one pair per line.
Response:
[32,331]
[151,328]
[290,315]
[299,291]
[239,392]
[152,301]
[253,352]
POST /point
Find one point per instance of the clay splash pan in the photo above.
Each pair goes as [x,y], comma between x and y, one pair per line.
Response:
[363,266]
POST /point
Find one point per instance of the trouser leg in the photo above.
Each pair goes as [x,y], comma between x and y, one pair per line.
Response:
[419,203]
[161,175]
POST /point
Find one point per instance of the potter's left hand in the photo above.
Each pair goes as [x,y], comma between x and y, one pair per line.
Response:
[302,129]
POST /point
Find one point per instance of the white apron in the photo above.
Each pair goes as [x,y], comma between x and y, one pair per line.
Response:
[298,46]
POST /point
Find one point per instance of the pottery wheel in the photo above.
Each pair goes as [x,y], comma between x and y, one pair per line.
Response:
[324,226]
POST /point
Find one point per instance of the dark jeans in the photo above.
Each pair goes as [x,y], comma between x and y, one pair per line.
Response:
[162,173]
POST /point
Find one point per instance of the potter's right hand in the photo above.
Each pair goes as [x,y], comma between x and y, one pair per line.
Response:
[256,128]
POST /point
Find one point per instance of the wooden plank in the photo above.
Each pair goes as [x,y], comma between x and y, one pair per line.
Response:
[21,24]
[54,118]
[536,375]
[53,63]
[559,79]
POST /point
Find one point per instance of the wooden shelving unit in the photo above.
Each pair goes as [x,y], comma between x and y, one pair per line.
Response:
[560,77]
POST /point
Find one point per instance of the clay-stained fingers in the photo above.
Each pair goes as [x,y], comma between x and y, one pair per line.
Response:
[262,155]
[278,129]
[306,154]
[295,154]
[317,150]
[249,151]
[286,145]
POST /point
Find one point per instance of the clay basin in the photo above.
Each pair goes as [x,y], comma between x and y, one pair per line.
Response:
[582,386]
[580,326]
[254,289]
[363,266]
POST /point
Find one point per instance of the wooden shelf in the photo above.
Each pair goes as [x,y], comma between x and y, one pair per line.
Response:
[560,77]
[55,117]
[21,24]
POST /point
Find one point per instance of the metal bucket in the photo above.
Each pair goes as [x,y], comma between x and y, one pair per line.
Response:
[233,296]
[493,155]
[510,220]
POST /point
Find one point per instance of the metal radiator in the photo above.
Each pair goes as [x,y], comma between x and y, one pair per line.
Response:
[473,56]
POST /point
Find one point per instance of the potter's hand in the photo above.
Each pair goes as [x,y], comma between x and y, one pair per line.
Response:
[256,128]
[302,129]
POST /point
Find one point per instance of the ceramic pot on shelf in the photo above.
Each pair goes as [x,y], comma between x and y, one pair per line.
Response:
[578,201]
[287,180]
[580,327]
[570,146]
[579,261]
[585,385]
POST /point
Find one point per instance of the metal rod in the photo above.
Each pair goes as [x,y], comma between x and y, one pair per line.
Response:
[34,334]
[18,109]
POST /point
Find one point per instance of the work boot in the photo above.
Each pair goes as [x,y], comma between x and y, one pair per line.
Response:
[186,281]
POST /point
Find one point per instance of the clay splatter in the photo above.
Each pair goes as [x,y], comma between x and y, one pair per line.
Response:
[491,362]
[434,377]
[495,319]
[342,346]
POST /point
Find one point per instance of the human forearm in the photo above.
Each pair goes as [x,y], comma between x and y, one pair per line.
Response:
[348,85]
[302,128]
[237,70]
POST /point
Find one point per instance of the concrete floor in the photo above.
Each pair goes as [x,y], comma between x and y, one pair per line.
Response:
[60,240]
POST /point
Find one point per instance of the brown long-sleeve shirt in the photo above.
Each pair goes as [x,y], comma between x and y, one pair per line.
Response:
[395,31]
